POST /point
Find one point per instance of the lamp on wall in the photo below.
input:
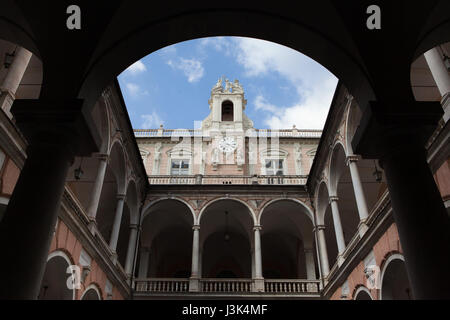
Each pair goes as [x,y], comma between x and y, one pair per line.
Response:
[226,235]
[377,173]
[78,172]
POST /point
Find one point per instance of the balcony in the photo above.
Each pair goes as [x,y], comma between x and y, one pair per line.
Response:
[282,133]
[228,179]
[226,288]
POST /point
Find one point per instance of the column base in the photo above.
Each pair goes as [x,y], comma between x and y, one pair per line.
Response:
[194,285]
[362,228]
[92,226]
[258,285]
[340,260]
[114,258]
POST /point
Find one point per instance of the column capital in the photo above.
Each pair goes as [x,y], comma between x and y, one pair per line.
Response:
[319,227]
[120,196]
[102,156]
[196,227]
[351,158]
[333,198]
[259,228]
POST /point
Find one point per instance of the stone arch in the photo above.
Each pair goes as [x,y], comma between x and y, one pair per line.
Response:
[387,292]
[436,31]
[317,40]
[162,219]
[309,212]
[206,205]
[117,155]
[153,202]
[287,240]
[322,195]
[90,292]
[14,28]
[362,293]
[335,165]
[226,238]
[227,110]
[132,199]
[101,116]
[54,282]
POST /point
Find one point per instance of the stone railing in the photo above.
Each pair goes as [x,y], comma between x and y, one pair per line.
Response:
[291,286]
[283,133]
[226,285]
[164,285]
[75,205]
[228,179]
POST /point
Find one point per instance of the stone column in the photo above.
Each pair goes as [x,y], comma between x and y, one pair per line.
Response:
[435,61]
[258,280]
[143,263]
[337,228]
[55,132]
[325,265]
[131,249]
[194,284]
[396,132]
[98,186]
[13,78]
[117,220]
[359,193]
[310,265]
[422,223]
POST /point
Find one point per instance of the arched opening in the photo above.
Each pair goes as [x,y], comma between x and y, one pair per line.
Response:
[54,284]
[124,235]
[363,294]
[166,241]
[225,240]
[325,218]
[373,180]
[227,111]
[91,294]
[341,182]
[395,283]
[287,244]
[112,190]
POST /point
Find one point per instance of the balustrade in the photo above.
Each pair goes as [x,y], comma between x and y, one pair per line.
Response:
[228,179]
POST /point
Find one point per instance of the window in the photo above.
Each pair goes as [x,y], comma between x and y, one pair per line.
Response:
[179,167]
[227,111]
[274,167]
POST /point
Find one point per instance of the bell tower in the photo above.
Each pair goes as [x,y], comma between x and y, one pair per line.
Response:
[227,105]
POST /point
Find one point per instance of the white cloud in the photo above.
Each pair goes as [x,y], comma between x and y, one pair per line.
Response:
[136,68]
[311,113]
[192,69]
[220,44]
[134,90]
[313,83]
[167,51]
[151,121]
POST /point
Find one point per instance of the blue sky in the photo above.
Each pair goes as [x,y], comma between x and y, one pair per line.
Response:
[282,86]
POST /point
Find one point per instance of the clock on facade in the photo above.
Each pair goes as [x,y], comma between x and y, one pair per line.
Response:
[227,144]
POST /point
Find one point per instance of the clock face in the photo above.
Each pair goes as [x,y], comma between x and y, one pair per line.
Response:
[227,144]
